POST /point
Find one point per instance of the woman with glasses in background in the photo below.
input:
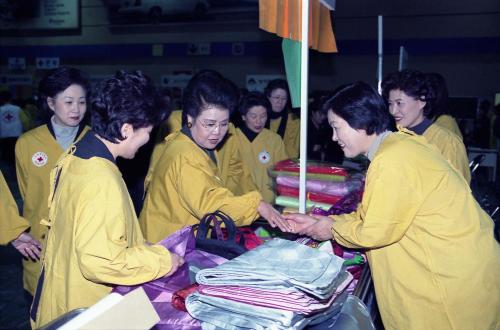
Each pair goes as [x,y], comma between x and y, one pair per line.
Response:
[281,120]
[186,184]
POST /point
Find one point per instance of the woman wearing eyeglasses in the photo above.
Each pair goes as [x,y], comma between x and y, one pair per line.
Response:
[186,183]
[281,121]
[233,172]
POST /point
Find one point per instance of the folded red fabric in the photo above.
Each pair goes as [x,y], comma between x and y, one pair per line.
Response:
[290,165]
[251,239]
[179,296]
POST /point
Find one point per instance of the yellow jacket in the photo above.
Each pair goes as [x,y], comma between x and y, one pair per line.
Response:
[291,137]
[172,124]
[448,122]
[186,185]
[37,151]
[11,224]
[94,240]
[451,147]
[233,172]
[260,155]
[431,249]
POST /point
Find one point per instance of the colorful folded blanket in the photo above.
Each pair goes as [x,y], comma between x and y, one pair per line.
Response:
[310,176]
[320,186]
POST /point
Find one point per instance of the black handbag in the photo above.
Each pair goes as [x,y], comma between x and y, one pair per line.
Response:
[230,247]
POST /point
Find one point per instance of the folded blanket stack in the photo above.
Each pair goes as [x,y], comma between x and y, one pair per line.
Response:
[280,285]
[327,185]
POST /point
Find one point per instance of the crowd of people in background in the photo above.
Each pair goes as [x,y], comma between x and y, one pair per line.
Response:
[22,115]
[215,154]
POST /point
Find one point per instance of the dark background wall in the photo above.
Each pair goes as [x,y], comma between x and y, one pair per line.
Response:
[460,39]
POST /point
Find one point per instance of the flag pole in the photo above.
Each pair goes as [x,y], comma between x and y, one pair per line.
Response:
[304,74]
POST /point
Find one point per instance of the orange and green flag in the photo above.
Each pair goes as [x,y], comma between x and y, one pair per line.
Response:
[283,17]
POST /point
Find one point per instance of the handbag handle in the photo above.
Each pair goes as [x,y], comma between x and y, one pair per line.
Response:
[217,218]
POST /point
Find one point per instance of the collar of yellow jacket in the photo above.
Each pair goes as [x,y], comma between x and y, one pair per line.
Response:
[405,130]
[172,136]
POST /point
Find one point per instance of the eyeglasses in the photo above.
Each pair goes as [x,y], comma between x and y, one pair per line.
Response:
[212,125]
[279,98]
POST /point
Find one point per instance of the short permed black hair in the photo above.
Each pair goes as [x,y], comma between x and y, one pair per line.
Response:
[275,84]
[440,103]
[413,83]
[361,107]
[209,88]
[254,99]
[58,80]
[125,98]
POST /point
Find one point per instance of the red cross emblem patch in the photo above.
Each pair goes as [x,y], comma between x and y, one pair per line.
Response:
[39,158]
[264,157]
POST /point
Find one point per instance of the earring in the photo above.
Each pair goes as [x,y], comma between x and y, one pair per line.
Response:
[189,124]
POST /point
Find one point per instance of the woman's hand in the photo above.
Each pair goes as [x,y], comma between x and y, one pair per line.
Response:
[317,227]
[28,246]
[299,222]
[273,217]
[177,261]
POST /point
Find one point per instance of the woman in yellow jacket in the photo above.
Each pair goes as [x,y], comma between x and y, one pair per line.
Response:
[429,244]
[409,96]
[260,147]
[13,226]
[186,183]
[63,93]
[281,121]
[234,174]
[94,240]
[440,111]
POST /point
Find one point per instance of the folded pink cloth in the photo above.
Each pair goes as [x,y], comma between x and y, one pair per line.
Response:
[285,299]
[325,187]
